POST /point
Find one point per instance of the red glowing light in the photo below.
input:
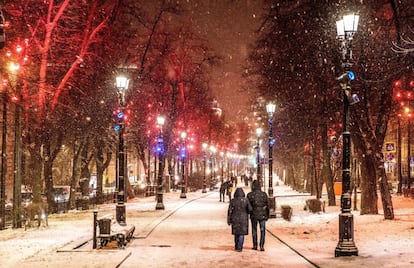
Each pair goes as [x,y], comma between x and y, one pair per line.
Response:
[14,98]
[397,83]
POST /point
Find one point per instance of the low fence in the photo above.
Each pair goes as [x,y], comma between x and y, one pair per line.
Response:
[8,217]
[62,206]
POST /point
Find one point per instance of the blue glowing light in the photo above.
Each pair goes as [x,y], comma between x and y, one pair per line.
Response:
[351,75]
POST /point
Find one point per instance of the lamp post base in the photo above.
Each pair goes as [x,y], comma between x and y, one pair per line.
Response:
[346,245]
[272,207]
[346,249]
[204,191]
[183,195]
[121,214]
[160,204]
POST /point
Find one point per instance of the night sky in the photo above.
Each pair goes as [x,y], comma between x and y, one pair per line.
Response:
[230,26]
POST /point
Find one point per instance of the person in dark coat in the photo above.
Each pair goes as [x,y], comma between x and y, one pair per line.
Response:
[223,189]
[238,217]
[260,204]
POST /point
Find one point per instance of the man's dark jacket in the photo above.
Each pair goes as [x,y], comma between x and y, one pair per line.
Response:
[259,201]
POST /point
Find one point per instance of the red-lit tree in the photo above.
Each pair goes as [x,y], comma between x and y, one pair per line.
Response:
[59,46]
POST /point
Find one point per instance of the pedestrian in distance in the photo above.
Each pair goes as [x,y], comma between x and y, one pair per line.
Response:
[223,189]
[229,189]
[260,213]
[238,218]
[245,179]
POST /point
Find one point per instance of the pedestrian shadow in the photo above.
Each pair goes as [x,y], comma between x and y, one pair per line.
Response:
[221,247]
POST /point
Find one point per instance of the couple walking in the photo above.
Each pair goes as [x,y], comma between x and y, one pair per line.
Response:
[257,205]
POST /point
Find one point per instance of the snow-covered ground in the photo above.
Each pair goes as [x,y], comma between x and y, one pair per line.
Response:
[381,243]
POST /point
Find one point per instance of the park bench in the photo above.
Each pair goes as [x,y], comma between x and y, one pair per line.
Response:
[110,230]
[315,205]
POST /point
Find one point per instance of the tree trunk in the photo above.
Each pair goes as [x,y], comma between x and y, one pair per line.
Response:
[47,169]
[385,192]
[101,165]
[315,180]
[369,196]
[291,177]
[47,173]
[327,176]
[142,157]
[130,192]
[85,173]
[35,164]
[75,176]
[307,167]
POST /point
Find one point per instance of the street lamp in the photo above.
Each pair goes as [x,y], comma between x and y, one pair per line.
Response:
[182,156]
[270,108]
[122,85]
[259,170]
[204,167]
[160,152]
[346,28]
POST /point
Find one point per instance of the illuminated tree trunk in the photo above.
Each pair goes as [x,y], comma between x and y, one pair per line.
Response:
[50,25]
[101,165]
[327,176]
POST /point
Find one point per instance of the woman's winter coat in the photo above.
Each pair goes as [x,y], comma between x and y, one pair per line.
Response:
[238,213]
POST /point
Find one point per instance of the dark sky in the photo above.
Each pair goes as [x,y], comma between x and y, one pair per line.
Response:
[230,26]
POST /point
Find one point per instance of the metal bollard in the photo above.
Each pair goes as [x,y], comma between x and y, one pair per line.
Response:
[95,218]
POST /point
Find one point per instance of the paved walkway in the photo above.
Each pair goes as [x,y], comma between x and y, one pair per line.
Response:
[197,235]
[193,232]
[190,232]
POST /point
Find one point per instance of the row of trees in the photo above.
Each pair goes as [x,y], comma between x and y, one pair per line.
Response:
[73,51]
[296,60]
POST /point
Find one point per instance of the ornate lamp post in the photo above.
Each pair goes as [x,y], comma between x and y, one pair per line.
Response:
[204,167]
[259,167]
[270,108]
[122,85]
[182,156]
[160,152]
[346,28]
